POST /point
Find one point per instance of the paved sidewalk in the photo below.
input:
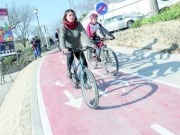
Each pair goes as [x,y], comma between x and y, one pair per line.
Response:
[15,111]
[163,67]
[6,86]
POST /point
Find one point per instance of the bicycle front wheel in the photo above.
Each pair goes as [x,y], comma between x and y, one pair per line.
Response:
[89,89]
[110,61]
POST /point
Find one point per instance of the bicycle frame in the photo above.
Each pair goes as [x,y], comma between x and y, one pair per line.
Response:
[100,46]
[79,65]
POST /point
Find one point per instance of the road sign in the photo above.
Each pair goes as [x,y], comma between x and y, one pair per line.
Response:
[101,8]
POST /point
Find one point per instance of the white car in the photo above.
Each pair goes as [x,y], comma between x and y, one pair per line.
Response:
[121,21]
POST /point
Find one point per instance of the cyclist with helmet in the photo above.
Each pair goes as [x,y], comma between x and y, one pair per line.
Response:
[92,28]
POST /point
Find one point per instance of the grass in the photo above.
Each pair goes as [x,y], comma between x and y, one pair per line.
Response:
[27,52]
[166,14]
[19,46]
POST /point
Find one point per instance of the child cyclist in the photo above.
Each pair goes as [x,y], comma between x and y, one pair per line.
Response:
[92,28]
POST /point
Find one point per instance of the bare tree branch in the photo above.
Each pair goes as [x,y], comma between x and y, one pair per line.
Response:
[52,28]
[20,19]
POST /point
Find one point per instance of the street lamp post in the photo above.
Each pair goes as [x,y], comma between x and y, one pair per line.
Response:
[36,12]
[46,36]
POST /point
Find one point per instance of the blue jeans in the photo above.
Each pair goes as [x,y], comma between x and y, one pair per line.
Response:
[36,52]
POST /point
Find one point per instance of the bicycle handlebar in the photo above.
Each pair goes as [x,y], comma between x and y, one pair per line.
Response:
[103,39]
[82,49]
[79,50]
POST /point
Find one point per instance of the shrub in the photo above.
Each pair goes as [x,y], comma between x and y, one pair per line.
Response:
[166,14]
[8,59]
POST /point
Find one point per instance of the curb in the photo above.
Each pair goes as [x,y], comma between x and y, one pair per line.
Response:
[35,114]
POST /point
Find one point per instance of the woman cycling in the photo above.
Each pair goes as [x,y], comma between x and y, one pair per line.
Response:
[70,38]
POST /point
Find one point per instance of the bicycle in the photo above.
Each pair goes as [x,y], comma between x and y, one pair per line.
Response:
[107,56]
[82,76]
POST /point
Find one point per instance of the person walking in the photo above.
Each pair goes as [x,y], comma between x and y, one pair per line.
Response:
[56,39]
[38,44]
[35,48]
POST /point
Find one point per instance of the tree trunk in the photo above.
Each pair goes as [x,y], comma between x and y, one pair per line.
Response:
[154,6]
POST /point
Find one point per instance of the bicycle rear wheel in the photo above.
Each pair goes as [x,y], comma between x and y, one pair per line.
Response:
[110,61]
[92,63]
[89,89]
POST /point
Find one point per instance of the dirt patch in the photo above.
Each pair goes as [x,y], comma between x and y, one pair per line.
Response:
[162,36]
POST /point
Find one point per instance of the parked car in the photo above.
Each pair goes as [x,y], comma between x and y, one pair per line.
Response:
[121,21]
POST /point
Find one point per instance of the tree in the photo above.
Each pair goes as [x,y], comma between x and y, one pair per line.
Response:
[52,28]
[34,31]
[83,16]
[20,18]
[154,6]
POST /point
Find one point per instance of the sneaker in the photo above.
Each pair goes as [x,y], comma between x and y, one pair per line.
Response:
[69,75]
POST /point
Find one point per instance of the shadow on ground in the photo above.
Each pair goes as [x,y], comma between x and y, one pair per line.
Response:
[142,63]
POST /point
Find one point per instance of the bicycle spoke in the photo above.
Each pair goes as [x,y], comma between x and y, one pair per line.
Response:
[92,63]
[89,89]
[110,62]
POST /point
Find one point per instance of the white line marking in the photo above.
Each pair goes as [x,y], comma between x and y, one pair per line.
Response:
[161,130]
[60,83]
[69,95]
[98,73]
[103,93]
[42,110]
[124,90]
[63,61]
[73,101]
[149,78]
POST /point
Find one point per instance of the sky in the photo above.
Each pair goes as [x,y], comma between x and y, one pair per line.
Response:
[49,11]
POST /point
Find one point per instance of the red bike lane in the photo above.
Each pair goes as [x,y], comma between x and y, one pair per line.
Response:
[128,104]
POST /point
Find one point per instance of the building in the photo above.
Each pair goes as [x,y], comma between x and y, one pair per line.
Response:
[126,7]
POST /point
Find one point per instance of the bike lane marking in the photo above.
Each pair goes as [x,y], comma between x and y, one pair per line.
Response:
[136,101]
[42,110]
[126,83]
[161,130]
[73,101]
